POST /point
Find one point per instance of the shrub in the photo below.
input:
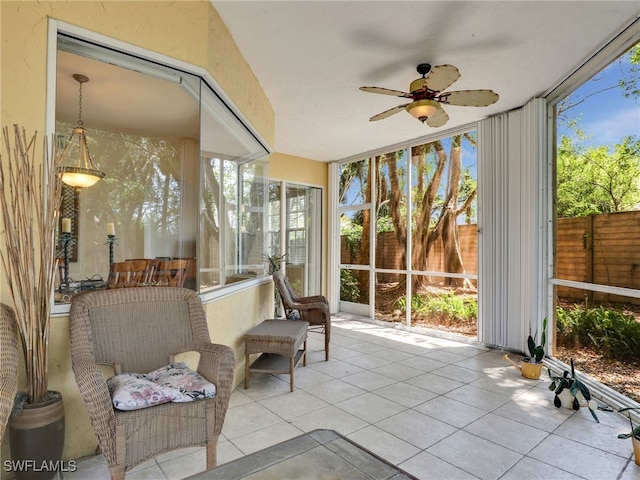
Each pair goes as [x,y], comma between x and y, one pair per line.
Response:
[349,289]
[455,307]
[614,334]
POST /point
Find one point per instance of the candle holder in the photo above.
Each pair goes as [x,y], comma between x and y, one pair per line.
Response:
[111,241]
[66,238]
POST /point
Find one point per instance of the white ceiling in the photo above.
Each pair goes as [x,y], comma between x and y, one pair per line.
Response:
[311,57]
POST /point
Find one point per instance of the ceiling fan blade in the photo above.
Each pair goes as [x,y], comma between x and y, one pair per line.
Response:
[469,98]
[388,113]
[385,91]
[441,77]
[438,119]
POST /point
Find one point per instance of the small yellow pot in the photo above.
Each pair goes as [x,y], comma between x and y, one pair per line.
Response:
[636,449]
[530,370]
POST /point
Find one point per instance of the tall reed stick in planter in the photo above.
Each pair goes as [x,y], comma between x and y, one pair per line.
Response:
[30,201]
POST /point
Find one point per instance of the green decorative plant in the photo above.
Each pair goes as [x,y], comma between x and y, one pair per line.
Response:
[635,431]
[568,382]
[274,262]
[536,352]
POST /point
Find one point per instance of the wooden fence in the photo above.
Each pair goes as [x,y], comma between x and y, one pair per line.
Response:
[600,249]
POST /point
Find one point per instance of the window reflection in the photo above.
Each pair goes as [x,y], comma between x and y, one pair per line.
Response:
[185,178]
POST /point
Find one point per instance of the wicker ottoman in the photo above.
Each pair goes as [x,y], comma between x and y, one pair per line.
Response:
[279,342]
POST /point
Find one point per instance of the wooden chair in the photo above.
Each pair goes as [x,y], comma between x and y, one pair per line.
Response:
[8,364]
[139,330]
[130,273]
[313,309]
[171,273]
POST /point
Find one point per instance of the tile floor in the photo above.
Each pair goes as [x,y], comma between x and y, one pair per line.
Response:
[437,408]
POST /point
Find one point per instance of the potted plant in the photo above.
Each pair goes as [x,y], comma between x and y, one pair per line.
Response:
[30,204]
[634,434]
[274,263]
[571,392]
[531,366]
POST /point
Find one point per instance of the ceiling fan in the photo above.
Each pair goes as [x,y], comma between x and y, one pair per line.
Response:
[427,95]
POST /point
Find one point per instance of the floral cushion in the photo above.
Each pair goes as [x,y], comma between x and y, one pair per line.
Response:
[132,391]
[189,383]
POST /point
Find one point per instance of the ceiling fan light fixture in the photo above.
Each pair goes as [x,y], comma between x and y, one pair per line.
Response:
[422,109]
[80,173]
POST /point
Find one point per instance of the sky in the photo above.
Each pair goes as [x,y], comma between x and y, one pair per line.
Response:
[607,116]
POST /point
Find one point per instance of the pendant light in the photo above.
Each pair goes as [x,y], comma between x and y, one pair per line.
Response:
[80,173]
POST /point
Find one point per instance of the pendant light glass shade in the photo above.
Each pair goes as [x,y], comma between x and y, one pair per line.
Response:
[422,109]
[79,173]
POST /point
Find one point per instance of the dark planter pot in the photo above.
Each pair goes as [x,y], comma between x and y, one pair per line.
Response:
[36,438]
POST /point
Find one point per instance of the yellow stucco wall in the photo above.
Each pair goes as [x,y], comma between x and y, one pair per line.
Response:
[298,169]
[188,31]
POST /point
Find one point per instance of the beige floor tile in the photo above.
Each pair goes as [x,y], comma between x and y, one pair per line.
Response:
[470,453]
[445,357]
[387,446]
[599,436]
[368,380]
[370,407]
[330,418]
[228,452]
[266,437]
[153,472]
[460,374]
[391,354]
[398,371]
[334,391]
[543,418]
[450,411]
[434,383]
[293,404]
[247,418]
[366,347]
[265,386]
[405,394]
[185,465]
[337,368]
[367,361]
[508,433]
[478,397]
[427,467]
[438,408]
[585,461]
[532,469]
[423,363]
[414,427]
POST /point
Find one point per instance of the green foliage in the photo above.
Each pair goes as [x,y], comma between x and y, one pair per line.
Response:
[635,431]
[352,233]
[384,224]
[274,262]
[458,308]
[349,289]
[536,352]
[596,180]
[614,334]
[569,381]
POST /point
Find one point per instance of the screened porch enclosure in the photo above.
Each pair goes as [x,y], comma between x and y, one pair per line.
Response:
[408,235]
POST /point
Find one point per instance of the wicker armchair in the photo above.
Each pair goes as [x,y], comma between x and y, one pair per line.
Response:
[138,330]
[313,309]
[8,364]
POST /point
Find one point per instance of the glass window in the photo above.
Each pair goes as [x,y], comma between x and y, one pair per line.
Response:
[422,197]
[185,179]
[597,192]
